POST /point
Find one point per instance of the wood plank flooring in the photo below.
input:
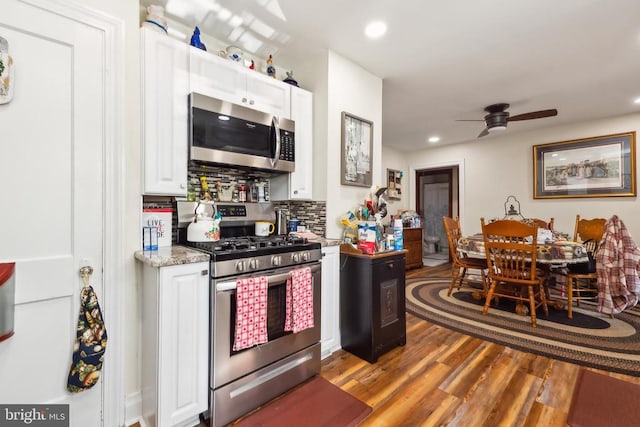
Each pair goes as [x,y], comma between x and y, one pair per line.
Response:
[444,378]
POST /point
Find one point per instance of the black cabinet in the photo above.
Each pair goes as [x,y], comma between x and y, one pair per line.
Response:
[372,303]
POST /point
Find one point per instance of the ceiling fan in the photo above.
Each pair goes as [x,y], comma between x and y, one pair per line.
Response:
[497,117]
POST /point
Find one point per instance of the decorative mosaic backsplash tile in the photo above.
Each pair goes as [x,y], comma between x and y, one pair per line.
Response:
[311,214]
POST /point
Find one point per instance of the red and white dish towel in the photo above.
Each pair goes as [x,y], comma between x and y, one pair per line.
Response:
[299,301]
[251,312]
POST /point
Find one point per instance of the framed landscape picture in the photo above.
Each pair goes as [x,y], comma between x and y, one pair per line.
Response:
[357,150]
[602,166]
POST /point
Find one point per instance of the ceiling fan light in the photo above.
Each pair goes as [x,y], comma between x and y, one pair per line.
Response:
[497,129]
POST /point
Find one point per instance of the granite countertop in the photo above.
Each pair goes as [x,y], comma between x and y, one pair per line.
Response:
[171,255]
[329,242]
[176,254]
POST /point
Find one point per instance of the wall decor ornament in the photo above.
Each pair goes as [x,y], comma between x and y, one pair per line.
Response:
[602,166]
[6,72]
[356,150]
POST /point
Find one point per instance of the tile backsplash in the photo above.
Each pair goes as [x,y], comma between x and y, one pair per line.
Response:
[311,214]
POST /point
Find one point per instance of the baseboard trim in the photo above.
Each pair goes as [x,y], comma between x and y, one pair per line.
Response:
[133,410]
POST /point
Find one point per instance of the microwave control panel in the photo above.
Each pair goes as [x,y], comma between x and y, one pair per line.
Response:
[287,146]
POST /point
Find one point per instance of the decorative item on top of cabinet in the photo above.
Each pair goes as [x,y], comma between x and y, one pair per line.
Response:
[195,39]
[155,19]
[298,185]
[165,89]
[220,78]
[372,303]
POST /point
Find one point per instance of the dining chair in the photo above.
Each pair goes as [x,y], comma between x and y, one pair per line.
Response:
[589,232]
[510,247]
[461,263]
[541,223]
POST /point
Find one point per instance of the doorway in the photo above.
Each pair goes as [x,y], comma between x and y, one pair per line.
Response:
[437,196]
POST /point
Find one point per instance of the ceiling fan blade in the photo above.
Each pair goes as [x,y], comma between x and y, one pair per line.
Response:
[534,115]
[485,132]
[469,120]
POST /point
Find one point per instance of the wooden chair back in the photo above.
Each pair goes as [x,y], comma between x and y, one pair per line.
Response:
[511,251]
[589,229]
[454,233]
[541,223]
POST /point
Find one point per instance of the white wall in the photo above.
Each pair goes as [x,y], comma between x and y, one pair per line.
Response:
[356,91]
[498,167]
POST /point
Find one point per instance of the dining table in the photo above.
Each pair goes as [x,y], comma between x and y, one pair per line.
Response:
[551,257]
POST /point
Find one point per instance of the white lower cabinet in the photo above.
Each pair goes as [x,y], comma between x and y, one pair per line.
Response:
[330,328]
[175,337]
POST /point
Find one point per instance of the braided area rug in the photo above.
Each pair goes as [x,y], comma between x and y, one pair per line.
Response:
[590,339]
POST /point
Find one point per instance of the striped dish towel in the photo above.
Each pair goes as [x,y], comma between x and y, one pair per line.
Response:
[251,312]
[299,301]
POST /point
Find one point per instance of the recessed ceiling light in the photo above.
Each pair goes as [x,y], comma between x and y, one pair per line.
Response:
[375,29]
[434,138]
[637,100]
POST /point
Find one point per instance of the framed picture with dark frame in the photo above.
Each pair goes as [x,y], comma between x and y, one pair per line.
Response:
[602,166]
[357,151]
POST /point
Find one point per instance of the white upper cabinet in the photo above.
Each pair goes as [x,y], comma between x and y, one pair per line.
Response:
[221,78]
[298,185]
[165,113]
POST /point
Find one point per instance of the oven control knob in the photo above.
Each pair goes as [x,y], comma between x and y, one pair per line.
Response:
[239,266]
[295,257]
[276,261]
[253,264]
[305,256]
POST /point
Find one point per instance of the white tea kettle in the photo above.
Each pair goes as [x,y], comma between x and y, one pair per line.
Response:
[204,227]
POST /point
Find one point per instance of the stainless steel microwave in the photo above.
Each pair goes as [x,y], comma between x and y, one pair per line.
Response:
[222,132]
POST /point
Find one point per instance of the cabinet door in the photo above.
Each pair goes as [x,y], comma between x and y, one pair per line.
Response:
[330,328]
[388,315]
[165,86]
[302,114]
[223,79]
[183,337]
[217,77]
[268,94]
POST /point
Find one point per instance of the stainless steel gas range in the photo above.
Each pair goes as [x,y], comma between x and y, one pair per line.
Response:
[240,381]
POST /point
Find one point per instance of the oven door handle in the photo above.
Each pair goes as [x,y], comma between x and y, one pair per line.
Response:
[272,280]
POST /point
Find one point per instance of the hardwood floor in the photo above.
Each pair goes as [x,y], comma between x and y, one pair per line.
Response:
[444,378]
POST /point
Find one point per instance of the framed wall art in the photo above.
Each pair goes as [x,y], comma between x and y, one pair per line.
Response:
[357,151]
[602,166]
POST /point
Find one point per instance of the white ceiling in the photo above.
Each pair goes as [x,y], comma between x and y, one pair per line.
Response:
[441,61]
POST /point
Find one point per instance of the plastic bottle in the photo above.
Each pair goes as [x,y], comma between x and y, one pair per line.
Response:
[397,235]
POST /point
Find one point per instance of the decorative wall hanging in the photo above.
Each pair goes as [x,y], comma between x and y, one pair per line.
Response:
[6,72]
[357,150]
[394,184]
[602,166]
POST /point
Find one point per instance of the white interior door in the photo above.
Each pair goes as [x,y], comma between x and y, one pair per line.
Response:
[51,181]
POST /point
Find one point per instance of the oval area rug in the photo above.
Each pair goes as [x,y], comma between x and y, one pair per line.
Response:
[590,339]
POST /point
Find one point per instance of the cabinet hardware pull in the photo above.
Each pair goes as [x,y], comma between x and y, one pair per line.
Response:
[390,266]
[204,272]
